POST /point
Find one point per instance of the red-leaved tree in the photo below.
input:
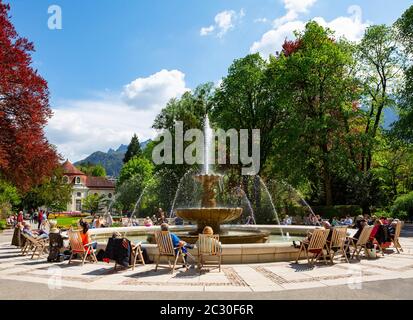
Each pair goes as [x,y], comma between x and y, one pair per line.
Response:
[290,46]
[26,157]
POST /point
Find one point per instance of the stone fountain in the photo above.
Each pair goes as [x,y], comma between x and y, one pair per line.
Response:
[211,215]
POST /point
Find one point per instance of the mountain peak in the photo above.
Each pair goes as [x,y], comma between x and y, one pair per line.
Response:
[122,148]
[112,161]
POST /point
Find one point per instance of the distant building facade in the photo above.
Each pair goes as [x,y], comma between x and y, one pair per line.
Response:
[84,185]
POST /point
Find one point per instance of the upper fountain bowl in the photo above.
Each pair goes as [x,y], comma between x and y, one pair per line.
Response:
[212,217]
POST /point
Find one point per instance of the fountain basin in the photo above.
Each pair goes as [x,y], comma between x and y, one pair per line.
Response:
[278,249]
[232,237]
[212,217]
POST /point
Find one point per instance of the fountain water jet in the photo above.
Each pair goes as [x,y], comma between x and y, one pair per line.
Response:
[209,214]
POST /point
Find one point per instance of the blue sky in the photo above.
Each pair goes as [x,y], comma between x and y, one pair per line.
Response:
[114,64]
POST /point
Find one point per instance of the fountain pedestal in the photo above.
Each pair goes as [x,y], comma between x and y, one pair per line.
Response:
[209,214]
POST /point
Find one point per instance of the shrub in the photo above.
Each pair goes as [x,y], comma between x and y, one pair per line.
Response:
[2,225]
[382,213]
[340,211]
[403,206]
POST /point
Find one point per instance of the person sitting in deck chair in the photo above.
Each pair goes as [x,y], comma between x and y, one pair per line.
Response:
[209,231]
[27,229]
[306,240]
[177,242]
[120,249]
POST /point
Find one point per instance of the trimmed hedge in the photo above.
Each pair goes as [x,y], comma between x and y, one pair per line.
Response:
[340,211]
[403,206]
[326,212]
[3,225]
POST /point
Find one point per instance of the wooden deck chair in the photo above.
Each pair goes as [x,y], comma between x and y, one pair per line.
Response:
[395,241]
[77,247]
[36,246]
[137,256]
[315,246]
[360,243]
[164,242]
[337,243]
[208,246]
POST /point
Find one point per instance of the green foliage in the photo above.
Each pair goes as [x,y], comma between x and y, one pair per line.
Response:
[403,206]
[9,197]
[339,211]
[53,193]
[3,225]
[95,170]
[95,203]
[135,175]
[314,140]
[382,213]
[139,168]
[248,98]
[8,193]
[134,149]
[403,128]
[404,26]
[191,109]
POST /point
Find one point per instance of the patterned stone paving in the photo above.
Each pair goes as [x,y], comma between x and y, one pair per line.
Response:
[237,278]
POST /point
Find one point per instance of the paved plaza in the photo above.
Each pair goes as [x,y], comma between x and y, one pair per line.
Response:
[388,277]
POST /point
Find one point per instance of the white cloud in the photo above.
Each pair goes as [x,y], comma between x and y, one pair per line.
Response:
[261,20]
[272,40]
[80,127]
[294,8]
[207,30]
[224,21]
[352,27]
[154,91]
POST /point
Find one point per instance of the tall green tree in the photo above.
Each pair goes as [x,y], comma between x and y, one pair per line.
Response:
[191,109]
[95,203]
[380,70]
[134,149]
[52,193]
[403,128]
[249,99]
[135,175]
[9,197]
[138,167]
[319,91]
[94,170]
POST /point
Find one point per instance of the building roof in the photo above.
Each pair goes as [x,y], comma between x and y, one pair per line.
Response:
[70,169]
[99,183]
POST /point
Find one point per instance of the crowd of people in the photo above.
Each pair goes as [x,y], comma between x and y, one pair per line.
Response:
[157,219]
[383,231]
[34,216]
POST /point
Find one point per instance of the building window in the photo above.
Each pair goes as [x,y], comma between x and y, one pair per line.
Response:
[109,195]
[79,194]
[65,179]
[78,205]
[77,180]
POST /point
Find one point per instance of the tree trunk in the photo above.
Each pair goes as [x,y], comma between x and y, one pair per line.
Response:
[328,188]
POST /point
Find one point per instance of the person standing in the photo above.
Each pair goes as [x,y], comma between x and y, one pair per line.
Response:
[20,218]
[39,219]
[45,217]
[109,220]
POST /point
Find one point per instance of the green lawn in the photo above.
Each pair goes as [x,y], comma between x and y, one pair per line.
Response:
[66,222]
